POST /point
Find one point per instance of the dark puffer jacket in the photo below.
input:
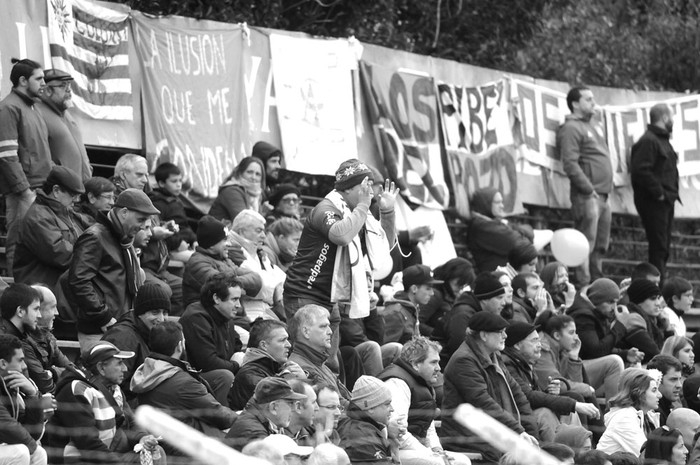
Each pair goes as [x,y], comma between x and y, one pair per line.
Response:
[363,439]
[211,339]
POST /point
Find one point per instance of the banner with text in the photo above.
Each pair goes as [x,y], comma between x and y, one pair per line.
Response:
[194,111]
[479,142]
[403,110]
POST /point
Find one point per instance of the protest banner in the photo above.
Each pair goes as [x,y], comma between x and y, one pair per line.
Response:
[313,89]
[403,110]
[193,104]
[91,43]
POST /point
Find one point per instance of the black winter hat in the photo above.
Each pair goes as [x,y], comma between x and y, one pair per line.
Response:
[487,286]
[151,296]
[281,191]
[487,321]
[522,254]
[642,289]
[210,231]
[517,331]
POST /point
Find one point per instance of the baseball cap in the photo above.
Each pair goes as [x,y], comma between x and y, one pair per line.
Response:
[104,350]
[418,274]
[136,200]
[270,389]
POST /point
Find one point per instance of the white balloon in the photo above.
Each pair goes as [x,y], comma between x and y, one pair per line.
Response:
[570,247]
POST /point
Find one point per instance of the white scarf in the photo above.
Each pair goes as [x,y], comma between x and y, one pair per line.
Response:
[350,288]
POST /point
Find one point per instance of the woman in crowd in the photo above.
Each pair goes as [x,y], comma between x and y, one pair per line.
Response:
[555,277]
[631,417]
[505,281]
[665,446]
[241,190]
[456,275]
[681,348]
[490,237]
[285,202]
[99,196]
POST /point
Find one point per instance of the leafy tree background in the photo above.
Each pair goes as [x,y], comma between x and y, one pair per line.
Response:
[639,44]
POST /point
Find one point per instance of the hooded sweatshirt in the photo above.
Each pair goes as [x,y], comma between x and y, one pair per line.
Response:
[401,319]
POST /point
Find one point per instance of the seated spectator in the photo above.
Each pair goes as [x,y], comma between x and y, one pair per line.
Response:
[665,446]
[488,295]
[325,427]
[285,202]
[623,458]
[268,412]
[248,232]
[130,333]
[272,158]
[506,282]
[366,337]
[242,189]
[555,277]
[521,259]
[642,270]
[593,457]
[561,452]
[49,230]
[691,392]
[574,436]
[523,349]
[490,238]
[631,416]
[168,383]
[265,451]
[670,385]
[300,427]
[328,454]
[105,274]
[98,197]
[131,172]
[456,274]
[686,421]
[20,408]
[166,198]
[681,348]
[210,258]
[94,413]
[402,312]
[47,361]
[19,310]
[529,297]
[211,337]
[363,431]
[267,355]
[310,331]
[293,453]
[410,380]
[644,328]
[476,375]
[282,241]
[678,295]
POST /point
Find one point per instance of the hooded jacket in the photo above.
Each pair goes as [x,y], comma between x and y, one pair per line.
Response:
[47,234]
[599,337]
[131,334]
[401,319]
[257,365]
[654,166]
[21,418]
[263,151]
[523,310]
[173,386]
[472,376]
[364,439]
[489,239]
[232,200]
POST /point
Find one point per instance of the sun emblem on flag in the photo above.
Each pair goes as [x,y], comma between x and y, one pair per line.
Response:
[62,16]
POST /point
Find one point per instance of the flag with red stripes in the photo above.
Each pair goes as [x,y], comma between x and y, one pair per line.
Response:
[91,42]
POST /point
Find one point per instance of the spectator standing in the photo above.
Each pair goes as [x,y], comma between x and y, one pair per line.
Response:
[654,173]
[98,197]
[130,333]
[105,274]
[267,355]
[268,412]
[364,432]
[322,272]
[475,374]
[65,139]
[211,337]
[586,158]
[168,383]
[47,362]
[93,411]
[20,408]
[50,229]
[25,156]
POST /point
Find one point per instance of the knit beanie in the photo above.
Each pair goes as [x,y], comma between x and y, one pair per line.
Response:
[210,231]
[522,254]
[351,173]
[370,392]
[487,286]
[517,331]
[281,191]
[151,296]
[642,289]
[603,290]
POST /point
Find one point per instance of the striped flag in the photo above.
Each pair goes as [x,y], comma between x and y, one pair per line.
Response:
[91,43]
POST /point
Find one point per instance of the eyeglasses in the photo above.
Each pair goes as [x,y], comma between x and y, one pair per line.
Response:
[109,196]
[291,201]
[340,408]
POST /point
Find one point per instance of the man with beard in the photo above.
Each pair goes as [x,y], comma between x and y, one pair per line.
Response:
[105,274]
[654,170]
[65,140]
[25,157]
[670,385]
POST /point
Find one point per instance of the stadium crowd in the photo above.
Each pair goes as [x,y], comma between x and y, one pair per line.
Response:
[311,336]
